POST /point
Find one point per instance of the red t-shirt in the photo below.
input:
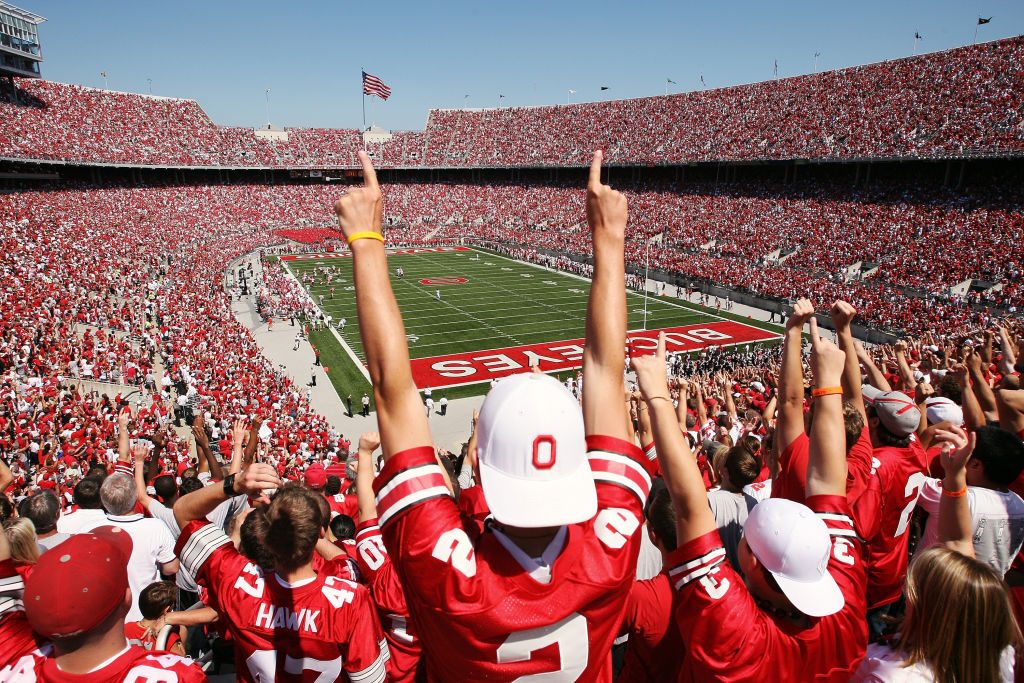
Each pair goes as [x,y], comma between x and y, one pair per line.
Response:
[286,633]
[731,639]
[655,650]
[478,612]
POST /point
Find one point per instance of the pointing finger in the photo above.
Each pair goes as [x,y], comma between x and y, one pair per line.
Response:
[813,322]
[369,173]
[661,345]
[595,171]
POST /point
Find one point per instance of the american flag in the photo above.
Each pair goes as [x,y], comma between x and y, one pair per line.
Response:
[374,86]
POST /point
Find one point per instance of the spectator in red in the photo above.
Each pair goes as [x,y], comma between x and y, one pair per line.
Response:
[77,599]
[554,567]
[291,620]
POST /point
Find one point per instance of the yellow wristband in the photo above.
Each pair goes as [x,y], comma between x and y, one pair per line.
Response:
[366,235]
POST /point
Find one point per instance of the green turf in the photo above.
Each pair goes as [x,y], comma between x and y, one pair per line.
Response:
[504,303]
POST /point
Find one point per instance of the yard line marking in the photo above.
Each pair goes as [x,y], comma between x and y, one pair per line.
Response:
[348,349]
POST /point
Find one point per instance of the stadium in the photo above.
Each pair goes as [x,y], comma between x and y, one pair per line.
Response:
[763,424]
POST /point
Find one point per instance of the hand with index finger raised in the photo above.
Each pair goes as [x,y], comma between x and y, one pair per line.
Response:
[361,208]
[606,208]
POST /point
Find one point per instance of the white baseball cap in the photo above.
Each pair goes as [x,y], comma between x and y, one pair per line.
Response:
[794,545]
[532,452]
[942,409]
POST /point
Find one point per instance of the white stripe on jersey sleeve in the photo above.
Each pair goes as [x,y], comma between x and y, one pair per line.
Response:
[200,546]
[376,672]
[411,500]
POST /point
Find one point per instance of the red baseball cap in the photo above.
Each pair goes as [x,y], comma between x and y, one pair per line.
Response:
[79,583]
[316,476]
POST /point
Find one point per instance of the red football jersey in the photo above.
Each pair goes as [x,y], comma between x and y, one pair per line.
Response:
[862,488]
[901,472]
[654,651]
[730,639]
[16,638]
[480,615]
[307,632]
[386,588]
[344,504]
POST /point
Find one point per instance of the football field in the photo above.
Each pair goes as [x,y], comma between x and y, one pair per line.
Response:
[495,317]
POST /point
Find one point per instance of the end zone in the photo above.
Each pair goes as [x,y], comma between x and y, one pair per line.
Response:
[482,366]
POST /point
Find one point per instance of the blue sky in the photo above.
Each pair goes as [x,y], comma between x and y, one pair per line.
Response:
[432,54]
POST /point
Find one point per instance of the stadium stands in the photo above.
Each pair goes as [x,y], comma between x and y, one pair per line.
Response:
[959,103]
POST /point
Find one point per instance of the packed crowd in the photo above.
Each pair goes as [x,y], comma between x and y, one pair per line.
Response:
[965,101]
[809,511]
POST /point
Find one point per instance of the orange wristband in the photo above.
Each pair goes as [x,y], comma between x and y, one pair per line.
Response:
[826,391]
[955,494]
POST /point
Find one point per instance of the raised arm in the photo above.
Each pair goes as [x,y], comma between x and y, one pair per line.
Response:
[604,352]
[875,377]
[979,383]
[368,443]
[207,461]
[956,528]
[791,377]
[1008,349]
[252,481]
[400,416]
[842,315]
[906,374]
[153,463]
[678,466]
[123,447]
[826,450]
[140,453]
[238,432]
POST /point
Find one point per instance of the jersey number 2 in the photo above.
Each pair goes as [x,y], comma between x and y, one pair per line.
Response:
[573,649]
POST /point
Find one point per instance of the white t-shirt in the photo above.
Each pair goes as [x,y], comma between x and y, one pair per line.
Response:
[885,665]
[152,545]
[998,523]
[74,522]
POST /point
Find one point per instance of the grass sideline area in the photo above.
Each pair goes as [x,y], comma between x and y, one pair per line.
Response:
[490,302]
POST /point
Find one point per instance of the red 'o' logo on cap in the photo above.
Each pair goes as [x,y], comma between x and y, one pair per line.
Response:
[444,281]
[544,452]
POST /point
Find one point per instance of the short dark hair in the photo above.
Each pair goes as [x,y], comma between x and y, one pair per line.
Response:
[742,466]
[87,493]
[1000,453]
[166,487]
[97,472]
[189,485]
[333,486]
[252,539]
[157,597]
[6,508]
[661,516]
[294,523]
[343,527]
[42,510]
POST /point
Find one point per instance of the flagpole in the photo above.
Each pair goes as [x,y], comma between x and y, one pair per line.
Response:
[975,41]
[362,87]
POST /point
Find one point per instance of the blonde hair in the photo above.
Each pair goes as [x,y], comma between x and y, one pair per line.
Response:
[21,535]
[959,617]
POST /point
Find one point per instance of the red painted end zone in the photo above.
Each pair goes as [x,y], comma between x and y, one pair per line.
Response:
[483,366]
[391,252]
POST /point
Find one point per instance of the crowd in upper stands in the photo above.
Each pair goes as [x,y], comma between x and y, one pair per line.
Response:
[961,102]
